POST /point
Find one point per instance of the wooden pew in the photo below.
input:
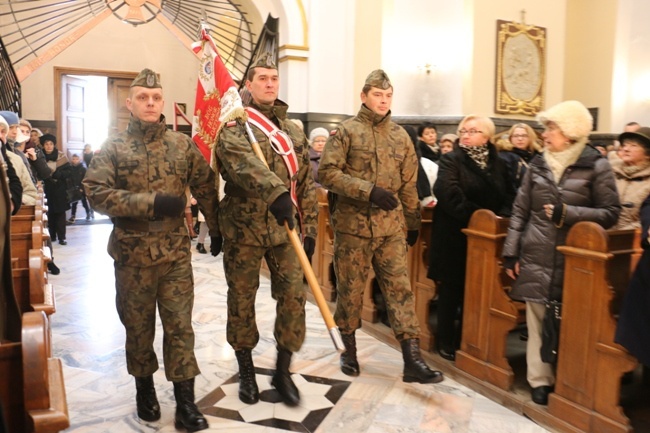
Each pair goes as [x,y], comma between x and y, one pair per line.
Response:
[31,286]
[322,261]
[44,389]
[489,314]
[32,389]
[423,288]
[590,364]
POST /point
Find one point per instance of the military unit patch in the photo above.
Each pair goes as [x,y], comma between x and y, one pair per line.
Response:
[231,123]
[333,132]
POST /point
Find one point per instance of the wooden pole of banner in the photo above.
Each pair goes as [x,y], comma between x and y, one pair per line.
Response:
[304,261]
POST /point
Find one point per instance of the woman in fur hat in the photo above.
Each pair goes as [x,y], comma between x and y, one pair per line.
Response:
[569,182]
[632,172]
[55,188]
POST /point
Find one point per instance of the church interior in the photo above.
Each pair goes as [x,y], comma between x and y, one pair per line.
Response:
[66,67]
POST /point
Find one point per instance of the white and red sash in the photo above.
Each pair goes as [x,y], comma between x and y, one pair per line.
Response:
[282,145]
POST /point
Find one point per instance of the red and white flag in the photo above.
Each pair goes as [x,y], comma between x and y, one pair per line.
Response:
[217,100]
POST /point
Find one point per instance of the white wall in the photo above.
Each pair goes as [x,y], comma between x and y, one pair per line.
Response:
[417,33]
[631,83]
[115,46]
[329,86]
[339,42]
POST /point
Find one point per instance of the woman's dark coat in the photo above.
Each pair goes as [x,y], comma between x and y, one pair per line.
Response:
[462,188]
[61,179]
[517,161]
[587,189]
[633,329]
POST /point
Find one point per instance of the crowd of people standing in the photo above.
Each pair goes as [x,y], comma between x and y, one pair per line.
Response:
[378,177]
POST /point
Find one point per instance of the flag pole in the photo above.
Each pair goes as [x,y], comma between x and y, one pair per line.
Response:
[334,332]
[335,335]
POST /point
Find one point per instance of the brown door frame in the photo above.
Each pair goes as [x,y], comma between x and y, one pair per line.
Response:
[60,71]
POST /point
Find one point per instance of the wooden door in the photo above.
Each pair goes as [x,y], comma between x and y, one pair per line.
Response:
[118,91]
[74,98]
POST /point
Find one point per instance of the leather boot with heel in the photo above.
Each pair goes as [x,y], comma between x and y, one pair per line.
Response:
[349,363]
[188,415]
[146,400]
[282,379]
[415,369]
[248,390]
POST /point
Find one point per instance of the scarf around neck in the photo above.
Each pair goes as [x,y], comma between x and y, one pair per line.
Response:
[631,170]
[479,154]
[559,161]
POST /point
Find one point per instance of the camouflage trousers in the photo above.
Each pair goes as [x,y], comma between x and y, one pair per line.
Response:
[241,264]
[171,287]
[353,257]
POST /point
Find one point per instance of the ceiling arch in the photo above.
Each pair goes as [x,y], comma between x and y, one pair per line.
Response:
[35,31]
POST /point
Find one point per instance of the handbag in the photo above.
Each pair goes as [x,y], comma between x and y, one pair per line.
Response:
[551,331]
[73,194]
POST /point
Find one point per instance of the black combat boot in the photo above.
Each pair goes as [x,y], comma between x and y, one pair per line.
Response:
[146,400]
[415,369]
[282,379]
[188,415]
[201,248]
[349,363]
[248,391]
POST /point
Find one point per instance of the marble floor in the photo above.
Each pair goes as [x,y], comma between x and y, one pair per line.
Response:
[88,338]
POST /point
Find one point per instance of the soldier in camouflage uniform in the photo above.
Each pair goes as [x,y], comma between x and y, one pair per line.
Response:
[139,179]
[370,168]
[251,216]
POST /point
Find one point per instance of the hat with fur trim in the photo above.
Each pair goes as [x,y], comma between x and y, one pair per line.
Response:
[642,135]
[318,132]
[48,137]
[573,119]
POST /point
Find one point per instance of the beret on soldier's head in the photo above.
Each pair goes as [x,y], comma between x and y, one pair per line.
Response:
[378,79]
[265,61]
[147,78]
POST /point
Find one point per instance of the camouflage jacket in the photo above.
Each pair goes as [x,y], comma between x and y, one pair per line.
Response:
[124,178]
[365,151]
[250,186]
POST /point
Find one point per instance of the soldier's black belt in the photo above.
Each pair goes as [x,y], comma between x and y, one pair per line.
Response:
[236,191]
[353,201]
[163,225]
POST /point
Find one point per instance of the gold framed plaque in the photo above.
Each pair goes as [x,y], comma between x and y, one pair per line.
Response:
[521,68]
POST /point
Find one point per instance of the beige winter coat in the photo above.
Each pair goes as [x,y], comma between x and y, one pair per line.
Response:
[633,190]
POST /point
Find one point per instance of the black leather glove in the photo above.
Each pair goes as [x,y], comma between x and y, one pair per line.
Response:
[168,205]
[309,244]
[282,209]
[412,237]
[510,262]
[215,245]
[386,200]
[559,212]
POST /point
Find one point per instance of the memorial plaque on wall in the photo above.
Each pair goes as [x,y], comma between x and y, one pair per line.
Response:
[521,68]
